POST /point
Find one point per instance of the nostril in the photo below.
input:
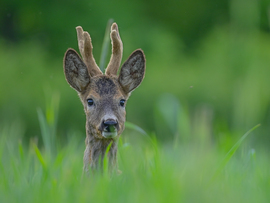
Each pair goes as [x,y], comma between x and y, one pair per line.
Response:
[110,122]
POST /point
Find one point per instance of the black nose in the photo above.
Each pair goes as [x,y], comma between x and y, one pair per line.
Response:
[110,125]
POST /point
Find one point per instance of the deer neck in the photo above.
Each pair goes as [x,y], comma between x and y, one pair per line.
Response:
[96,150]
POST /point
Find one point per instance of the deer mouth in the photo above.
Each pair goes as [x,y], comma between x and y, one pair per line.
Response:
[109,129]
[109,134]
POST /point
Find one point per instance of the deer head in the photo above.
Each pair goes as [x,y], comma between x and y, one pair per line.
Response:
[103,96]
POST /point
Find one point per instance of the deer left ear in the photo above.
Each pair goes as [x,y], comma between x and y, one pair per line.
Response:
[132,71]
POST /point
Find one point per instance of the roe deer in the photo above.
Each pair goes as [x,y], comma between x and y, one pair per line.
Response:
[103,96]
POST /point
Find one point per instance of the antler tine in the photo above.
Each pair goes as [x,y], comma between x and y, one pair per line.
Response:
[85,46]
[117,51]
[89,59]
[80,40]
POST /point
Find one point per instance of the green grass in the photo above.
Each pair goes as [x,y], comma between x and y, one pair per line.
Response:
[151,171]
[205,151]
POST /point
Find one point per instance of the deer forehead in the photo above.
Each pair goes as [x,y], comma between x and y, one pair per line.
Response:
[102,87]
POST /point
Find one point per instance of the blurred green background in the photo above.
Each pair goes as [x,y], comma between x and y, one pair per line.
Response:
[208,64]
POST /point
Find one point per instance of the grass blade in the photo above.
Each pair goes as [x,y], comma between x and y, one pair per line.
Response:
[232,151]
[105,46]
[40,157]
[45,132]
[106,160]
[135,127]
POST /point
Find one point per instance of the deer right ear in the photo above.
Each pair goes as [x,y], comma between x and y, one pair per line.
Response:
[75,70]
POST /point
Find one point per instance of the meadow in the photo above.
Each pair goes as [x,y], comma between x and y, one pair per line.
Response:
[188,171]
[197,128]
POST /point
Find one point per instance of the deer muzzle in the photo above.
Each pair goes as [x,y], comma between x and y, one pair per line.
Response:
[109,128]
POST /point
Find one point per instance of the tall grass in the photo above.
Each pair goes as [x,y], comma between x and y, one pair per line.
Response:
[151,171]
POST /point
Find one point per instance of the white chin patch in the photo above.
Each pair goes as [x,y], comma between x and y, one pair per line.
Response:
[109,134]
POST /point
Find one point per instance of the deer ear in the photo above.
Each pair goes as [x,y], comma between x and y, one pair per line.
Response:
[132,71]
[75,70]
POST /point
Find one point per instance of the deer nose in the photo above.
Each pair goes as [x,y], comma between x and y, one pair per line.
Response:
[110,125]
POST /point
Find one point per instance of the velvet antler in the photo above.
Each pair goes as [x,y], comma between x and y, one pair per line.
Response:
[117,51]
[85,46]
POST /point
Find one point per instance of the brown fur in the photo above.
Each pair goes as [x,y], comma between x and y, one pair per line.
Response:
[117,51]
[106,92]
[85,46]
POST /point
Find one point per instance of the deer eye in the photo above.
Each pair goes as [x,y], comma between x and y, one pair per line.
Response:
[122,102]
[90,102]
